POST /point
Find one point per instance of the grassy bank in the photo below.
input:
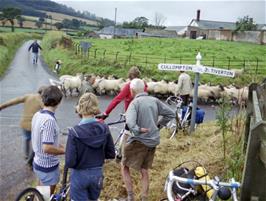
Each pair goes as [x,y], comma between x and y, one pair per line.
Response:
[9,42]
[117,56]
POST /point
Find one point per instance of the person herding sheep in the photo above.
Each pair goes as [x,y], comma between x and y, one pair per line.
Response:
[142,119]
[184,87]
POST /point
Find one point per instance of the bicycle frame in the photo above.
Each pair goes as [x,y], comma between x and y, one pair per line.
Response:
[215,184]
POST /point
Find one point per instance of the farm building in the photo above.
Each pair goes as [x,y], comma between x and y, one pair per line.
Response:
[158,33]
[111,31]
[210,29]
[180,30]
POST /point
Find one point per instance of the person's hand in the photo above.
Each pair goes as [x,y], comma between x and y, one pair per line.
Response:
[102,116]
[61,147]
[144,130]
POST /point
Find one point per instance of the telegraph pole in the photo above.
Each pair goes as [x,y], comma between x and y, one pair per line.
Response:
[115,21]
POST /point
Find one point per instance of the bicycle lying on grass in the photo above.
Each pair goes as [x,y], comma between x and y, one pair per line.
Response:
[183,116]
[33,194]
[183,184]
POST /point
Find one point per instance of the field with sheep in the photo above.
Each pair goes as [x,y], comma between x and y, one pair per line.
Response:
[116,56]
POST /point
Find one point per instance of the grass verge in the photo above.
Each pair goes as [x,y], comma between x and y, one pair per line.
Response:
[104,60]
[9,42]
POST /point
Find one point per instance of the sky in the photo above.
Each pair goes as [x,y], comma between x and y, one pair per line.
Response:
[176,12]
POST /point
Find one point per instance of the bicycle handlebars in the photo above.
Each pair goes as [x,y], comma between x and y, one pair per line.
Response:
[215,184]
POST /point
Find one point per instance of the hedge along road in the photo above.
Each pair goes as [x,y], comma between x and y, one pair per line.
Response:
[21,78]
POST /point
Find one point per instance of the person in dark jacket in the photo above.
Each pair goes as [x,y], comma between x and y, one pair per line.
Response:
[89,144]
[35,50]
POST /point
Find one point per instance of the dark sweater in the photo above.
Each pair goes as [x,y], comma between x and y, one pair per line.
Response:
[88,145]
[35,47]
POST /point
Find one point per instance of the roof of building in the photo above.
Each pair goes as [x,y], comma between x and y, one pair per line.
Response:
[159,33]
[207,24]
[175,28]
[119,31]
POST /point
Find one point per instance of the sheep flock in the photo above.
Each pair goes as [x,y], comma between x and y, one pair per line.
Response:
[161,89]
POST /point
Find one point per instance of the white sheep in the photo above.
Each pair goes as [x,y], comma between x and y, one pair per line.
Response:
[238,72]
[71,82]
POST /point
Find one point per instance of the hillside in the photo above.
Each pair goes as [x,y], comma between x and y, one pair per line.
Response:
[39,8]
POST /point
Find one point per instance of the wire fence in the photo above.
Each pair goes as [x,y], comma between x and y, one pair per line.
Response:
[255,66]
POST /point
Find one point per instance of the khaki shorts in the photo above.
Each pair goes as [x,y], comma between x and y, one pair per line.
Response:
[137,155]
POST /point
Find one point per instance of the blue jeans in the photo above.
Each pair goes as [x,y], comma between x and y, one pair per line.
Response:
[86,184]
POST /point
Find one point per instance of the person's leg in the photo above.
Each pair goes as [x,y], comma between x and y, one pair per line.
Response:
[145,184]
[27,143]
[128,182]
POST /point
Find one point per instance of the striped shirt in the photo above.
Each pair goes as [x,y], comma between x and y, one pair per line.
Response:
[44,131]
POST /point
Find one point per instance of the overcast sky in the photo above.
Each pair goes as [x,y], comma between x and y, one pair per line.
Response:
[176,12]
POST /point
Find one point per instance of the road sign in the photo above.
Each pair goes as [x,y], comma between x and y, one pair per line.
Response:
[197,69]
[85,46]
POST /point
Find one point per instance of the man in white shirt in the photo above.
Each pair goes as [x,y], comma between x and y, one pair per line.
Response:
[184,87]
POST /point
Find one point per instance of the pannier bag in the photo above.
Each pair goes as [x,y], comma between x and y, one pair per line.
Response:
[200,113]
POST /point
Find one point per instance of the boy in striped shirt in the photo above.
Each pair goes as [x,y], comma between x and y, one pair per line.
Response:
[45,144]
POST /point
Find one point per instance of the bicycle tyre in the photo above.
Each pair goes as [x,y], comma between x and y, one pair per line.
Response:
[31,194]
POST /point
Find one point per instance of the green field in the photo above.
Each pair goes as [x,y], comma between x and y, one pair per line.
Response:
[116,56]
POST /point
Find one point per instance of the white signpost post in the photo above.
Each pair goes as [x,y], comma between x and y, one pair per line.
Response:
[198,69]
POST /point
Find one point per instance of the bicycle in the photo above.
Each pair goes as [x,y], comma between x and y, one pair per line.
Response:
[32,194]
[182,120]
[186,187]
[119,140]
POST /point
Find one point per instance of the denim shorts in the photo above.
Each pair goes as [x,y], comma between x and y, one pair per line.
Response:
[48,178]
[86,184]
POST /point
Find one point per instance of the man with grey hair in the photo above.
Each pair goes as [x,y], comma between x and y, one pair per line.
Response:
[142,119]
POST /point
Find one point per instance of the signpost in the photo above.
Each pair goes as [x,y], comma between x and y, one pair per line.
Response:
[85,46]
[198,69]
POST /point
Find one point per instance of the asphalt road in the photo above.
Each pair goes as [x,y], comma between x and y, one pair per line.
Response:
[21,78]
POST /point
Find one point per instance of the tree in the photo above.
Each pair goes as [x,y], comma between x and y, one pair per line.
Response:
[141,22]
[40,22]
[245,24]
[75,24]
[10,14]
[58,25]
[159,19]
[20,21]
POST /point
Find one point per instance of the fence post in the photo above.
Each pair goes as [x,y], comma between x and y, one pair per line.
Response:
[116,55]
[180,60]
[228,63]
[95,51]
[164,59]
[257,65]
[254,174]
[104,55]
[129,58]
[244,64]
[212,61]
[146,60]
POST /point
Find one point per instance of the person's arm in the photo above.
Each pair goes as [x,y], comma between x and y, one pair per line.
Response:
[121,96]
[71,152]
[131,119]
[39,47]
[30,47]
[13,101]
[48,139]
[166,112]
[109,147]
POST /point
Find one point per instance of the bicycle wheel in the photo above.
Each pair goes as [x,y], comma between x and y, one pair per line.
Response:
[30,194]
